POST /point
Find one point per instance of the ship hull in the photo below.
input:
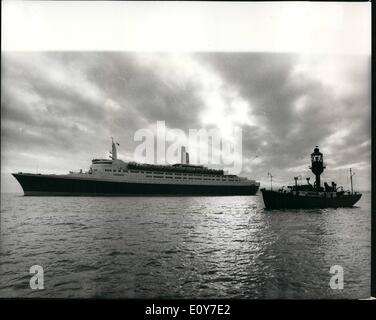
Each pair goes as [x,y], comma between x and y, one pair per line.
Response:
[47,185]
[278,200]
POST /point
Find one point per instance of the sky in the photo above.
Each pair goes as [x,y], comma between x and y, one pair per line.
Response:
[290,75]
[59,109]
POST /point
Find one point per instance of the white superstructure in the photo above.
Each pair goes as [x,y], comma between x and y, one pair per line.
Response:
[179,174]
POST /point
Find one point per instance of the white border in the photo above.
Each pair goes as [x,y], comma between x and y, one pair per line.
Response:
[304,27]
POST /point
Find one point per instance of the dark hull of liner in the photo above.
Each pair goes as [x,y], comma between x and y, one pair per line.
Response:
[45,185]
[278,200]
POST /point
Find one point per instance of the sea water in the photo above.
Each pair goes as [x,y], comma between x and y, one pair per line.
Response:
[181,247]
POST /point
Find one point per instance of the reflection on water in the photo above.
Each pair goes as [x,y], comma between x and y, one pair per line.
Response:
[181,247]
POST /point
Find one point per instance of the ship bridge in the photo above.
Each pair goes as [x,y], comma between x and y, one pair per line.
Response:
[101,161]
[108,165]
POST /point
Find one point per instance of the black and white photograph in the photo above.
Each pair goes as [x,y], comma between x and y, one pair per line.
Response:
[185,150]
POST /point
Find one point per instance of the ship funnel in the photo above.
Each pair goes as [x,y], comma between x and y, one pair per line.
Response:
[183,156]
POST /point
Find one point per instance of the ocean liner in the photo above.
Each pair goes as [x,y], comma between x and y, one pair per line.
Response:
[114,177]
[311,196]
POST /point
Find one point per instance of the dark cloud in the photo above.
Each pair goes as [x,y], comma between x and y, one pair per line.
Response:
[273,87]
[59,109]
[41,114]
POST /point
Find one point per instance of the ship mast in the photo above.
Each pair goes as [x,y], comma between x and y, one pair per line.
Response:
[113,153]
[351,181]
[271,180]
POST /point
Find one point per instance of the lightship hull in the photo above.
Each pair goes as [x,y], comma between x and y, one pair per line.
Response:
[48,185]
[279,200]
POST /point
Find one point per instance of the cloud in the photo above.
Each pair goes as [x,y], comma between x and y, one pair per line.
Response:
[59,109]
[298,107]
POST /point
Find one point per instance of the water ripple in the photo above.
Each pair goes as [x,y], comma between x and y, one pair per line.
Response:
[199,247]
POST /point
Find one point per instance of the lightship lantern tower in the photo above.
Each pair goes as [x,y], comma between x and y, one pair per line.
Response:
[317,165]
